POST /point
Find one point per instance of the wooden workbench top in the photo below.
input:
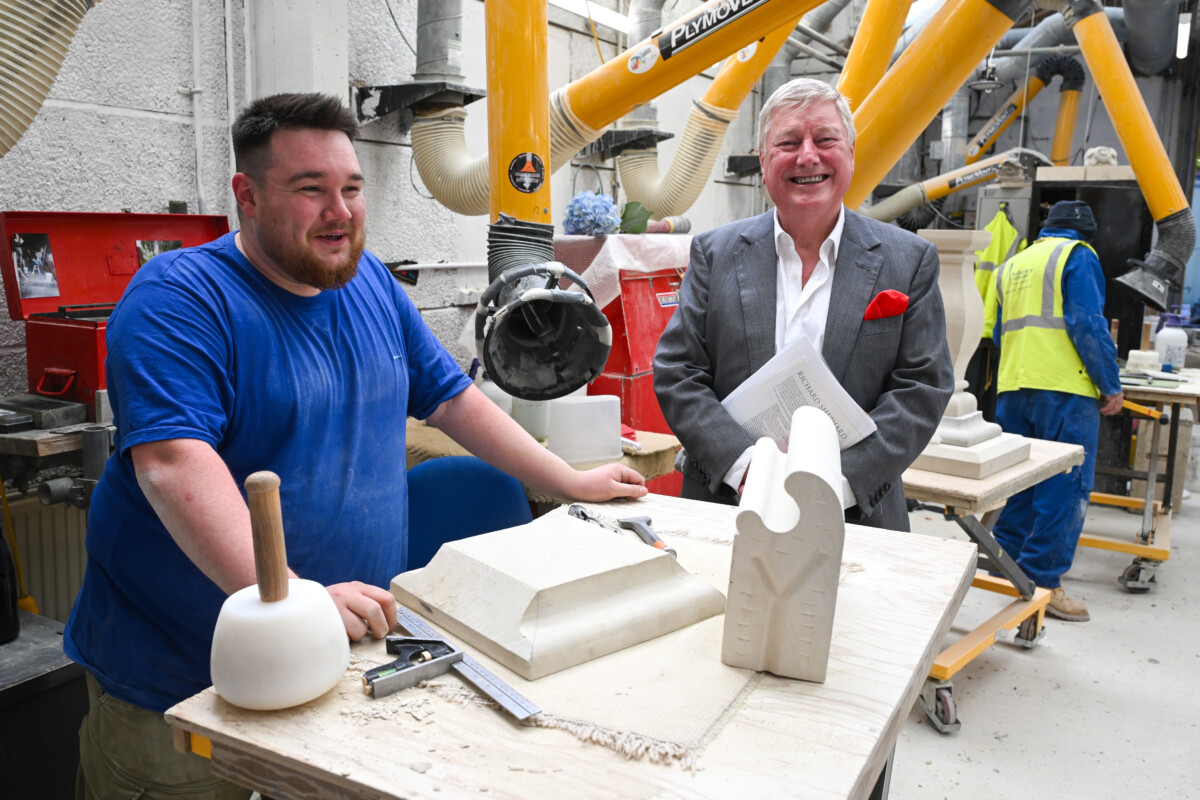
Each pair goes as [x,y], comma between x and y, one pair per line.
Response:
[972,496]
[779,738]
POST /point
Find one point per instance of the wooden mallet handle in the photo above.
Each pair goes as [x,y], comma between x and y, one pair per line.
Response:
[266,521]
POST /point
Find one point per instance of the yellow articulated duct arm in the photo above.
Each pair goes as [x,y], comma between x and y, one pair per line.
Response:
[921,82]
[917,194]
[518,110]
[871,50]
[1072,82]
[1013,107]
[1064,127]
[686,47]
[537,340]
[582,110]
[673,193]
[1162,269]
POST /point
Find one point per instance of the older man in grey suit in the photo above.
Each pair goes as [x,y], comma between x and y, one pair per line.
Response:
[863,292]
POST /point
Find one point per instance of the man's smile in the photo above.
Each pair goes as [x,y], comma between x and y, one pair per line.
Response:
[809,178]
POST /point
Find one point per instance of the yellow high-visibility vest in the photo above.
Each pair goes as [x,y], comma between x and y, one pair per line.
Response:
[1006,242]
[1035,350]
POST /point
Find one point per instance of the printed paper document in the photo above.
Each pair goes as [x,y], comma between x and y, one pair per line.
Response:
[796,376]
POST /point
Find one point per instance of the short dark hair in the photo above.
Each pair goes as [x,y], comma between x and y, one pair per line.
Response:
[254,127]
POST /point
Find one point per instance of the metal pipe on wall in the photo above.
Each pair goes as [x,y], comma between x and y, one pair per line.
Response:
[194,91]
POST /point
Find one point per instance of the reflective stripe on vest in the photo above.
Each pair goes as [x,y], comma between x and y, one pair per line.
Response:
[1035,350]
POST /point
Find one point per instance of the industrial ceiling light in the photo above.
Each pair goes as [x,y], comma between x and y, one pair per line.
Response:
[987,81]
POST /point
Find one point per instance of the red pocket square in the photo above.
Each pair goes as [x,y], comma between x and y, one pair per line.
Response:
[888,303]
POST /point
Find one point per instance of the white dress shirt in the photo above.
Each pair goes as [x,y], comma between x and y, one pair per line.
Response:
[800,308]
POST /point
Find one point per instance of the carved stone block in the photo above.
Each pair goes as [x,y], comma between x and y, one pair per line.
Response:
[787,555]
[557,592]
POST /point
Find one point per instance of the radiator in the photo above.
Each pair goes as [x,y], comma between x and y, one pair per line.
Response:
[50,542]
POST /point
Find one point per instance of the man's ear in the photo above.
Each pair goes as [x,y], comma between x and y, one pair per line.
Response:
[245,193]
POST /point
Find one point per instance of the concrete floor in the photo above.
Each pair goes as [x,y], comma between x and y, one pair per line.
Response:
[1103,709]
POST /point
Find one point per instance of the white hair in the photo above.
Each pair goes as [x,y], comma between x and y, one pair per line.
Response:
[796,95]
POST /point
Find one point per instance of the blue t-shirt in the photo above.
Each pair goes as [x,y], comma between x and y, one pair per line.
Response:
[315,389]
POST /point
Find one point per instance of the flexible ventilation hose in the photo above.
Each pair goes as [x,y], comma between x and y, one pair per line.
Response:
[450,173]
[673,193]
[33,43]
[458,180]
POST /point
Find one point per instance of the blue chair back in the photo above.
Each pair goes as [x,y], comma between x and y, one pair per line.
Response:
[454,497]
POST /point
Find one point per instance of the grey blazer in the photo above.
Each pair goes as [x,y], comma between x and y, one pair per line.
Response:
[898,369]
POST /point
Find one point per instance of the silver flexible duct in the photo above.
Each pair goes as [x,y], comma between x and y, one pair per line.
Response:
[1050,32]
[954,130]
[821,17]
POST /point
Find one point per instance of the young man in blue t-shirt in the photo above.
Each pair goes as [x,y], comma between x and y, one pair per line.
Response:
[283,346]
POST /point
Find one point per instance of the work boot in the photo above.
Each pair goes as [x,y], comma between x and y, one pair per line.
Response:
[1068,608]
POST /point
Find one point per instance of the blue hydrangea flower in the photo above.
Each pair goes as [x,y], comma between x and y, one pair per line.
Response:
[591,214]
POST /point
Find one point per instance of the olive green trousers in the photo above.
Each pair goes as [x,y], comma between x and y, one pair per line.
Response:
[127,752]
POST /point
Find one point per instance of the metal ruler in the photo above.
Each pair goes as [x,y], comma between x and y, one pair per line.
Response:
[472,671]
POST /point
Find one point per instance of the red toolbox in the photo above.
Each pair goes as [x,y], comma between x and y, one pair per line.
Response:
[63,273]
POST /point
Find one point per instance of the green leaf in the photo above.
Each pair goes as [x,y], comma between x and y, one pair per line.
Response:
[634,218]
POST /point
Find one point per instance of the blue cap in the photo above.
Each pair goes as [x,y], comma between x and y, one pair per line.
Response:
[1074,215]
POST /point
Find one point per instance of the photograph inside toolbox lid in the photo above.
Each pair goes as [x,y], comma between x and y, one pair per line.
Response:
[53,259]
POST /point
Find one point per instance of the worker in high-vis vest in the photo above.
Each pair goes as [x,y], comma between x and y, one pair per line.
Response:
[1058,374]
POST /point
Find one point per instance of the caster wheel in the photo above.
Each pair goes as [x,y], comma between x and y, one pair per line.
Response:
[1028,632]
[1136,579]
[946,712]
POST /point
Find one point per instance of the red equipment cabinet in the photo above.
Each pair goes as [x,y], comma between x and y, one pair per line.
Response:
[63,273]
[638,317]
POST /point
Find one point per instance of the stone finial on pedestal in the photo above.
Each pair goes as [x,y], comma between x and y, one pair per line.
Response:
[965,444]
[787,555]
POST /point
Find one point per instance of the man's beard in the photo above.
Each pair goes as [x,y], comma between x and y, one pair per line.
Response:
[303,266]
